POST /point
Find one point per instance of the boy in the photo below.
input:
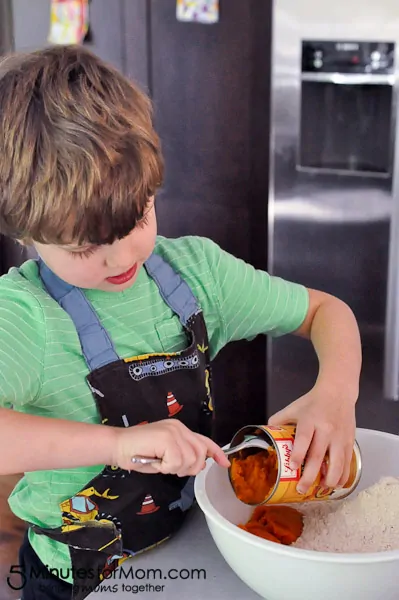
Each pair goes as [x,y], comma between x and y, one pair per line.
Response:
[106,340]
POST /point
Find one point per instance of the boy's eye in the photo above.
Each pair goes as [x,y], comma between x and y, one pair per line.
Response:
[83,253]
[142,222]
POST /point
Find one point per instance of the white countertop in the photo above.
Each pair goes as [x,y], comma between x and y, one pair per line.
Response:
[212,577]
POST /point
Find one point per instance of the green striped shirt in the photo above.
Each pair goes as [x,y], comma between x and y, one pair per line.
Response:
[43,371]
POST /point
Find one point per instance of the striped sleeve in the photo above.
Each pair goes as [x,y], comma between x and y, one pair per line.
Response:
[251,301]
[22,344]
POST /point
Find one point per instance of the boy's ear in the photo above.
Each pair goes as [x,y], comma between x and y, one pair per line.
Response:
[25,242]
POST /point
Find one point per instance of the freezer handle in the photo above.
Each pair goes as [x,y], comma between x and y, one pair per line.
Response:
[391,350]
[350,78]
[391,353]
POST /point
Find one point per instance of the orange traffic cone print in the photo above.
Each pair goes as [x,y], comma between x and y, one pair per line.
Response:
[148,506]
[173,406]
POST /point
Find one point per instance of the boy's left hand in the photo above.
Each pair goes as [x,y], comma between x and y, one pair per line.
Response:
[324,423]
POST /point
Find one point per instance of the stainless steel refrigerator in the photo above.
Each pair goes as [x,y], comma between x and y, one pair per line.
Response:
[334,178]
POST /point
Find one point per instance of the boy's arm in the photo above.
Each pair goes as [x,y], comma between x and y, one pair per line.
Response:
[252,302]
[32,443]
[49,443]
[331,326]
[28,442]
[325,416]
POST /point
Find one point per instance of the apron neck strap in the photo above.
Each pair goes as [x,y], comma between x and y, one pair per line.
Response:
[96,344]
[175,292]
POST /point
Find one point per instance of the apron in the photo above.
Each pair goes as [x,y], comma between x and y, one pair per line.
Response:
[121,513]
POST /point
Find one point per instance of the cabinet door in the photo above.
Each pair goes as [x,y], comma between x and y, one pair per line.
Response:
[203,81]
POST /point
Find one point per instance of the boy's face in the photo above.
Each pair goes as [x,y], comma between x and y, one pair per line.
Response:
[111,268]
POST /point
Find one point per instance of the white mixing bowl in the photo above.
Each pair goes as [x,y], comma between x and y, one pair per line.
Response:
[278,572]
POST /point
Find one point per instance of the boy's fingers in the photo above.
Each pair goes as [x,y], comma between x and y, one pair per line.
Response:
[314,459]
[221,459]
[336,465]
[199,452]
[219,456]
[172,459]
[282,417]
[346,472]
[303,438]
[214,451]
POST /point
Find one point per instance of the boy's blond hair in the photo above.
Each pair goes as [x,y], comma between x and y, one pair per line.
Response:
[79,157]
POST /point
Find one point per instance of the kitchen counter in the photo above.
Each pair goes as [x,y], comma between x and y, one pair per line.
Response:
[205,575]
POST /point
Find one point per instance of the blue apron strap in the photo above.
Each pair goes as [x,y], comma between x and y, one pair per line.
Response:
[173,289]
[97,347]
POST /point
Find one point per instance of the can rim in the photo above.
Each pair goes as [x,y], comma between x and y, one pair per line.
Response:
[243,429]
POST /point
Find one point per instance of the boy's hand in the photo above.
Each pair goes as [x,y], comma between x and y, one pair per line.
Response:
[182,451]
[323,423]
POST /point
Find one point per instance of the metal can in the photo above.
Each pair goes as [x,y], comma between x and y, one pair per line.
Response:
[282,480]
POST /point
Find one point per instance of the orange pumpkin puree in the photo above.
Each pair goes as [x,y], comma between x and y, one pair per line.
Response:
[254,476]
[280,524]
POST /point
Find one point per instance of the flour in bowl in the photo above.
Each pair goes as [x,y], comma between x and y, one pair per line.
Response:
[368,522]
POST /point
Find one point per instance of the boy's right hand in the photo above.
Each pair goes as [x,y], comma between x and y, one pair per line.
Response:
[182,451]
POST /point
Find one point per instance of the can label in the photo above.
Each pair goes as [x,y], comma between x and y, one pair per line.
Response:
[280,483]
[285,447]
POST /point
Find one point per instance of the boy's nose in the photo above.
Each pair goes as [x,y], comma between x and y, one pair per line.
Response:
[120,255]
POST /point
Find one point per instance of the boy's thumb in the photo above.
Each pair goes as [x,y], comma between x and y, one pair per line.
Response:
[282,417]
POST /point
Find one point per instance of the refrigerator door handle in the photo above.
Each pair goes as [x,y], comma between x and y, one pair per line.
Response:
[391,350]
[350,78]
[391,353]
